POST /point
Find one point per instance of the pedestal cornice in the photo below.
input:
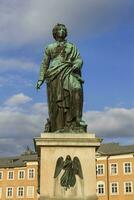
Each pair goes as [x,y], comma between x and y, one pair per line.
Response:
[66,140]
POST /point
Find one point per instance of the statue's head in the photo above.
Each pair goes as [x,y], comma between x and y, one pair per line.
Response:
[59,32]
[68,157]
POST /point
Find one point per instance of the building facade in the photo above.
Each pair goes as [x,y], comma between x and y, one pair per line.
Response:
[115,172]
[18,177]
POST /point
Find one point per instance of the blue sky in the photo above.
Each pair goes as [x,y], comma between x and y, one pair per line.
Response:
[103,32]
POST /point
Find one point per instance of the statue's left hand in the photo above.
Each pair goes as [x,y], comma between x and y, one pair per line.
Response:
[39,83]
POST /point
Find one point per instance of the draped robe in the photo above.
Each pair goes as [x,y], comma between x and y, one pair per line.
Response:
[61,68]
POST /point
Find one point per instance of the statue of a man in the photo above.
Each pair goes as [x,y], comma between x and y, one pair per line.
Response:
[61,69]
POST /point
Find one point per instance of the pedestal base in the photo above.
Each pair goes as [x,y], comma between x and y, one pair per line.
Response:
[50,147]
[60,198]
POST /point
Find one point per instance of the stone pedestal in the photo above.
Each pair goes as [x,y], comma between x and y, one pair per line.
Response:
[50,146]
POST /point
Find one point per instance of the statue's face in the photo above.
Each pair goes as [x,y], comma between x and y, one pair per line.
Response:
[61,32]
[68,157]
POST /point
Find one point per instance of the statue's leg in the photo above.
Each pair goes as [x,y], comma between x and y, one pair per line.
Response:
[54,112]
[60,122]
[78,104]
[74,113]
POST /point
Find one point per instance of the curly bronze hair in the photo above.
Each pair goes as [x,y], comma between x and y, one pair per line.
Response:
[54,31]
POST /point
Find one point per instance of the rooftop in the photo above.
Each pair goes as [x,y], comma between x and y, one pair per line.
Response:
[30,156]
[18,161]
[115,149]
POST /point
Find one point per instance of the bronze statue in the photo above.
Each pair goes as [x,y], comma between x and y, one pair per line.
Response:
[61,69]
[71,169]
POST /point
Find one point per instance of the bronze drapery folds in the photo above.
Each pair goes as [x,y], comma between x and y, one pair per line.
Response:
[61,70]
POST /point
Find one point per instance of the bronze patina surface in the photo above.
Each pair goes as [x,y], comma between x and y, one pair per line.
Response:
[71,169]
[61,70]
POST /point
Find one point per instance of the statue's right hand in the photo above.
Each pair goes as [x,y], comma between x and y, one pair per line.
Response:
[39,83]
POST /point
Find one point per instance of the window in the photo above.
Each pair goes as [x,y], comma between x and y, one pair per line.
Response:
[0,192]
[20,191]
[21,174]
[1,175]
[31,173]
[113,169]
[100,169]
[30,191]
[114,188]
[127,168]
[9,192]
[10,175]
[100,188]
[128,188]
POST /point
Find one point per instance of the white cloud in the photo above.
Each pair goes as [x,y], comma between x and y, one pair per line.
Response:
[10,147]
[112,122]
[7,64]
[32,20]
[17,99]
[122,140]
[19,125]
[40,108]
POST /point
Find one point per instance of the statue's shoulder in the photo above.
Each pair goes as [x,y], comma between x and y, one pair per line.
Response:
[51,46]
[71,45]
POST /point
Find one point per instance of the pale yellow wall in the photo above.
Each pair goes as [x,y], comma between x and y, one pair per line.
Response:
[4,183]
[120,177]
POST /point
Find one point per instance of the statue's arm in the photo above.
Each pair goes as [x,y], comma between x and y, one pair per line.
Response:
[43,68]
[77,62]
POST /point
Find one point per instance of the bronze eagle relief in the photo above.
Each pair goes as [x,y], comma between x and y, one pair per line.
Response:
[71,169]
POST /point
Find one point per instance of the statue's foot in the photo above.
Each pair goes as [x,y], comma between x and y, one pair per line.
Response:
[59,131]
